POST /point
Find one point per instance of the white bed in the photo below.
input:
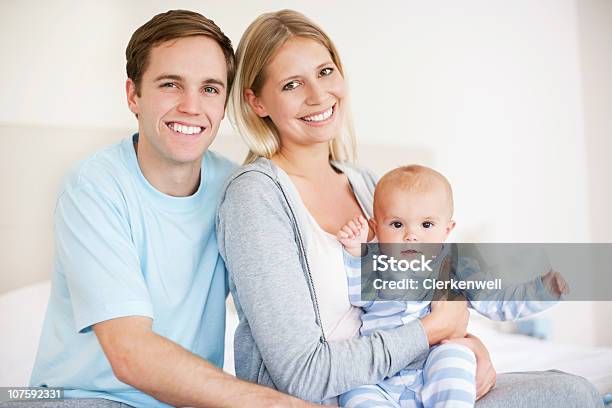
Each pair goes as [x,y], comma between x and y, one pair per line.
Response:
[22,312]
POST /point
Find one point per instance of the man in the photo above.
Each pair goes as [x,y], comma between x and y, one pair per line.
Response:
[137,307]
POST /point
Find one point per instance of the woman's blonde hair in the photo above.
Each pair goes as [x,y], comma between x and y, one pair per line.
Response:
[258,45]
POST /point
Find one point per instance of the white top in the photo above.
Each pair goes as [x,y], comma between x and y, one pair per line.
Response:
[339,318]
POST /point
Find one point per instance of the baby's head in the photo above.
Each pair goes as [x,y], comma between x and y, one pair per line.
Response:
[413,204]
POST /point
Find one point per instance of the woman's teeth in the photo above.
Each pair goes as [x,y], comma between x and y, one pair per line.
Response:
[320,117]
[186,130]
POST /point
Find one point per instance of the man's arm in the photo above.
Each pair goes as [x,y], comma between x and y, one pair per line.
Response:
[168,372]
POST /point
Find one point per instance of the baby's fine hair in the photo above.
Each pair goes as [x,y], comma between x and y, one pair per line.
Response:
[414,178]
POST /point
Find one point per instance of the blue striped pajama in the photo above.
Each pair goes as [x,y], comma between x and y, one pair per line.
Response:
[447,377]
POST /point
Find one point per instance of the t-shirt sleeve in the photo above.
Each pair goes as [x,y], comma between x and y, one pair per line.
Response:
[95,252]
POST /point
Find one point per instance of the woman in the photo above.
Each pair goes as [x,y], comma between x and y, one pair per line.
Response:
[297,331]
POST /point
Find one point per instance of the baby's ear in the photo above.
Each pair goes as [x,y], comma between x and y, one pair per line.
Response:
[449,227]
[372,223]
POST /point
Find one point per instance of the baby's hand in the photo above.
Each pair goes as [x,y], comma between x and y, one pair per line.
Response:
[554,282]
[353,234]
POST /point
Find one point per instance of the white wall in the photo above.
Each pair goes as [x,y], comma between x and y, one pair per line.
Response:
[595,46]
[491,87]
[499,94]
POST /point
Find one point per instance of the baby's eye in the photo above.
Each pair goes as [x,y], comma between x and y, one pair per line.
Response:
[326,71]
[291,86]
[397,224]
[427,224]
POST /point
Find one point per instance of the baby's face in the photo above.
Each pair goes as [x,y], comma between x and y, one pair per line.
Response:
[413,218]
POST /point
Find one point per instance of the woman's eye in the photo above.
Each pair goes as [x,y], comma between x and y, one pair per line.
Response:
[397,224]
[291,86]
[210,89]
[326,71]
[427,224]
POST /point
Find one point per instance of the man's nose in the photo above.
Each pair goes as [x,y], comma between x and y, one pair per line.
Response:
[190,102]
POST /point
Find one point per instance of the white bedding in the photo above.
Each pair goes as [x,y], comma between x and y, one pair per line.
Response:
[22,312]
[515,352]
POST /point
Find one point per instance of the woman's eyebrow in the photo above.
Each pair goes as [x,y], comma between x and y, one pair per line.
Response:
[297,76]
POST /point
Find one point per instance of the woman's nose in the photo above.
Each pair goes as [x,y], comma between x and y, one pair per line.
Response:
[317,94]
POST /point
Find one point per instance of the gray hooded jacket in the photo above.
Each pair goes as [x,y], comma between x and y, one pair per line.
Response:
[280,341]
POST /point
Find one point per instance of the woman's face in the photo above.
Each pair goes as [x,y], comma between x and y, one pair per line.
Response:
[302,93]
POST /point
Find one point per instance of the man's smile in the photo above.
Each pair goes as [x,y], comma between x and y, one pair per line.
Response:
[185,128]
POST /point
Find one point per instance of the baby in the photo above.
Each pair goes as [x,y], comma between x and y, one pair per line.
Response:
[413,205]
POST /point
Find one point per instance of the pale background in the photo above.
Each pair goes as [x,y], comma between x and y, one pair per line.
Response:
[512,100]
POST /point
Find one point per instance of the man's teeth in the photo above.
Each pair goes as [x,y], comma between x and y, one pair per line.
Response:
[186,130]
[320,117]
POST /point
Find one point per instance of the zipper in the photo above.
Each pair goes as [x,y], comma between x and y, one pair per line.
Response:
[300,241]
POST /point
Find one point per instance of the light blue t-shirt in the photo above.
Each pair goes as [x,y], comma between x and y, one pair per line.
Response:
[123,248]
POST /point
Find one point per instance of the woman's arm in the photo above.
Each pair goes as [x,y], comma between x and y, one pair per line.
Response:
[257,241]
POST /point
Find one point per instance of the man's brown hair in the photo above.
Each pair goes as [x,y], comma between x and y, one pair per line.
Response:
[172,25]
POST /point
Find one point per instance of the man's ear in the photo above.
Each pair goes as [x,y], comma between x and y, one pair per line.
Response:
[130,92]
[255,103]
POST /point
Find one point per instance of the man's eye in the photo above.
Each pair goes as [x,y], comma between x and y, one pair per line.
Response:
[427,224]
[326,71]
[291,86]
[168,85]
[211,90]
[397,224]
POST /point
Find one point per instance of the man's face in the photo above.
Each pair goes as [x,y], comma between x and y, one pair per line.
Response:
[182,100]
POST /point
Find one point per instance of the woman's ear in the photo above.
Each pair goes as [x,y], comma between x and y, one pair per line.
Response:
[255,103]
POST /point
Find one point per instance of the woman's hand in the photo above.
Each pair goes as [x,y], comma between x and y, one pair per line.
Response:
[448,319]
[485,373]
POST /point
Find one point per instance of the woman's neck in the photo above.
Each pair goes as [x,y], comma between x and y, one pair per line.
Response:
[307,162]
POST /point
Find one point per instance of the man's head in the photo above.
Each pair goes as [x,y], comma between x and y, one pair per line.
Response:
[413,204]
[172,25]
[180,68]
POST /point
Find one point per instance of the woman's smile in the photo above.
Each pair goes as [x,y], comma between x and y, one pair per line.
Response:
[320,118]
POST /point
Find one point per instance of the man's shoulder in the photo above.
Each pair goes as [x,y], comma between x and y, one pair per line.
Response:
[100,170]
[222,166]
